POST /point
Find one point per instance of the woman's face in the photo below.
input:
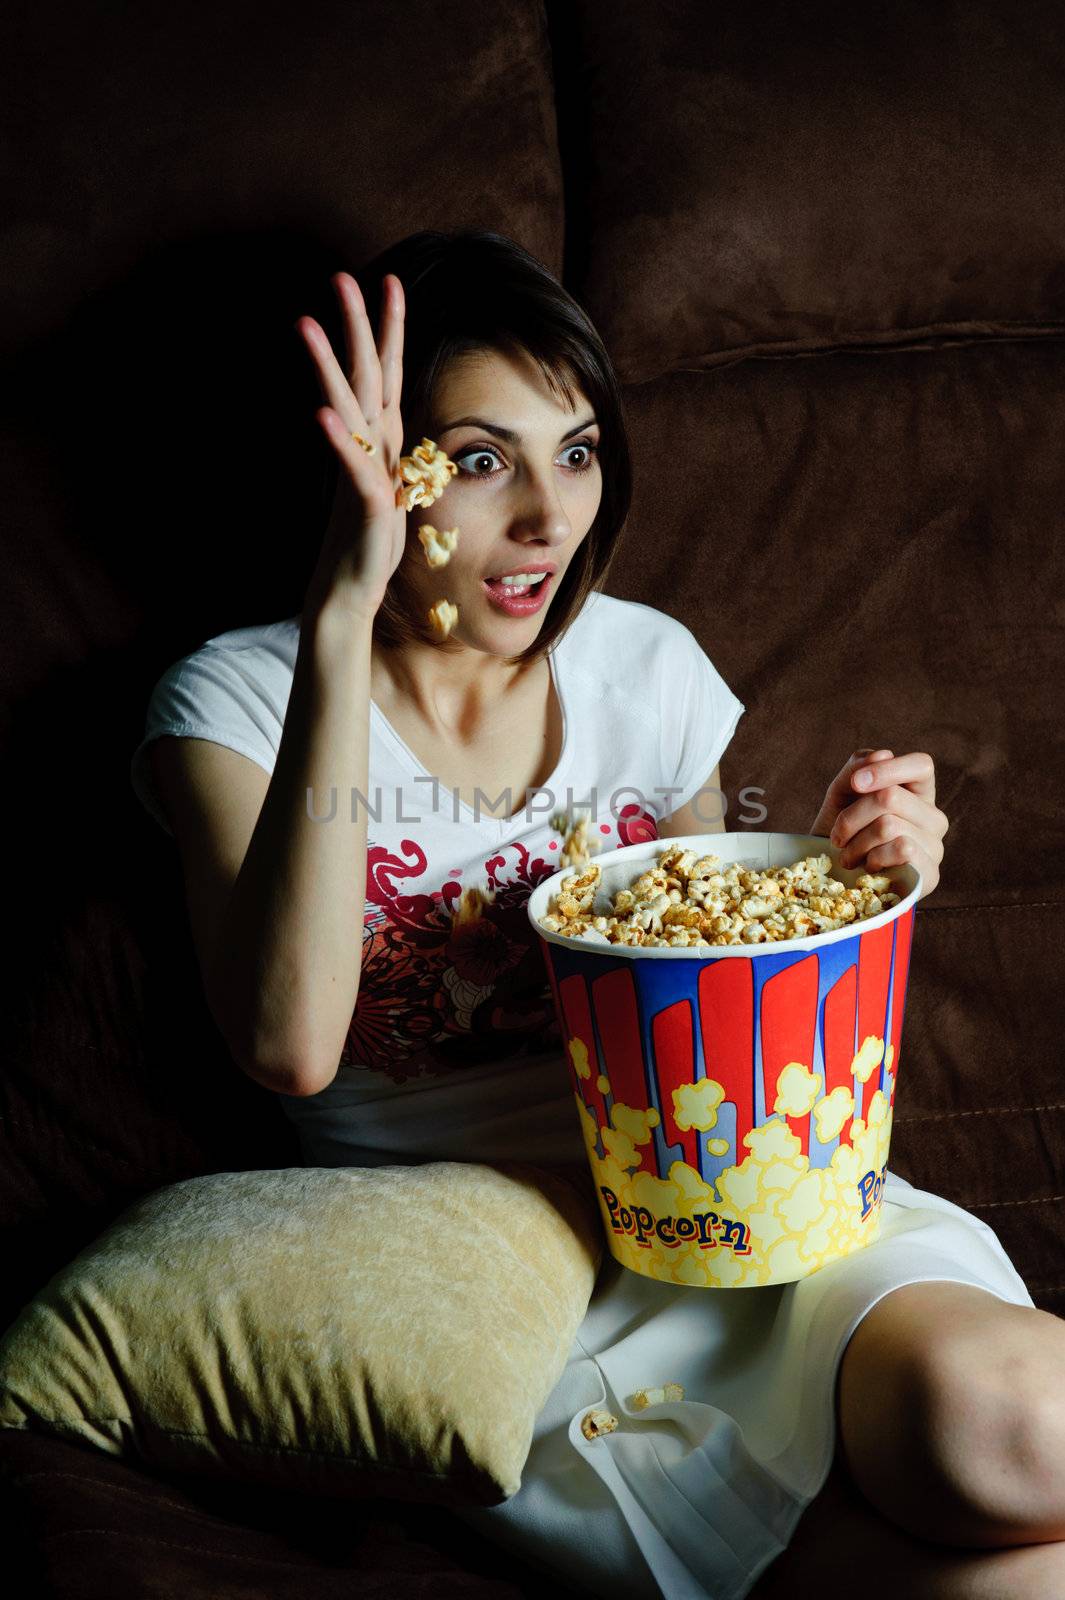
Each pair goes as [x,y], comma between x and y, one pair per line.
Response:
[520,503]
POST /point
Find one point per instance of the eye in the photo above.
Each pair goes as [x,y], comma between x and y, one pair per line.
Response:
[480,451]
[590,448]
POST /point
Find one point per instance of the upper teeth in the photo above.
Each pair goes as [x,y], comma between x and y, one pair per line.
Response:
[524,578]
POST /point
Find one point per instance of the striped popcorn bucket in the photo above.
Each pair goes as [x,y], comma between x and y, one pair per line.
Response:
[736,1103]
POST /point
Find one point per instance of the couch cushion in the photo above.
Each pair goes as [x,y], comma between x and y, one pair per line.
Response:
[390,1331]
[356,125]
[870,554]
[779,180]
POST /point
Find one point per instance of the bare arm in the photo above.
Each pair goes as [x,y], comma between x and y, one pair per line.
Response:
[284,971]
[282,967]
[686,821]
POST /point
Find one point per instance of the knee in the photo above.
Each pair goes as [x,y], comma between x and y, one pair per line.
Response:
[955,1437]
[993,1433]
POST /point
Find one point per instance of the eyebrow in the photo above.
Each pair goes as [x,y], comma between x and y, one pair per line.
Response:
[508,433]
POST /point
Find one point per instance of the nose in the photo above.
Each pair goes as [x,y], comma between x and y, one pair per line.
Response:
[540,517]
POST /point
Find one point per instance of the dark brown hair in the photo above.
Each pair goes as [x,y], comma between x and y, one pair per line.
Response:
[472,290]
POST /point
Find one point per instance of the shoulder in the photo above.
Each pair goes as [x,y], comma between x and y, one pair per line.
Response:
[258,660]
[241,676]
[273,643]
[608,632]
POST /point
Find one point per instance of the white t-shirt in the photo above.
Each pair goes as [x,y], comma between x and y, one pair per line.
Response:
[453,1051]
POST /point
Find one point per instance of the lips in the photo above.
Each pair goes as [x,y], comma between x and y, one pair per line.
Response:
[517,604]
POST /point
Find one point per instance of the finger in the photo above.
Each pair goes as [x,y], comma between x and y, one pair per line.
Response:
[336,391]
[873,836]
[393,319]
[896,800]
[902,851]
[843,784]
[363,365]
[883,836]
[916,770]
[886,830]
[353,457]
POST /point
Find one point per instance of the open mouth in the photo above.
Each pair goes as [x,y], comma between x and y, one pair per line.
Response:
[528,585]
[519,598]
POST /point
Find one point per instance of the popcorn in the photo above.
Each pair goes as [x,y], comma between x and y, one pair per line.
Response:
[657,1397]
[443,617]
[595,1423]
[693,902]
[437,545]
[472,902]
[370,448]
[426,473]
[576,846]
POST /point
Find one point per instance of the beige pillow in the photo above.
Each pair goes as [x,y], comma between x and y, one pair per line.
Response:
[342,1331]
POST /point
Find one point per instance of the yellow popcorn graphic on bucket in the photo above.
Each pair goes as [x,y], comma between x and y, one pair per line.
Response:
[736,1106]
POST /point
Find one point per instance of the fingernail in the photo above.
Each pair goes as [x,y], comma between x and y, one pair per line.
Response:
[864,778]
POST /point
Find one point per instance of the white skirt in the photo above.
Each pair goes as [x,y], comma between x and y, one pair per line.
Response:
[694,1499]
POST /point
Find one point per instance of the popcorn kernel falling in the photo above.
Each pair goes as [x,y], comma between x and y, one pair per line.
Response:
[443,617]
[426,473]
[471,905]
[437,544]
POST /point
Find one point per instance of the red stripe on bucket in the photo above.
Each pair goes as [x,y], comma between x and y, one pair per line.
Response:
[841,1011]
[674,1047]
[874,971]
[903,939]
[618,1020]
[789,1019]
[726,1022]
[577,1012]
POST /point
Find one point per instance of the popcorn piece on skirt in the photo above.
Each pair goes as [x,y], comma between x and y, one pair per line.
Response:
[595,1423]
[657,1397]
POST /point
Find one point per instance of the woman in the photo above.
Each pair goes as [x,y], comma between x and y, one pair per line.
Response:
[436,1040]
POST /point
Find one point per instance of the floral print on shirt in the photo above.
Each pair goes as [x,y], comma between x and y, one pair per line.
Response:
[434,997]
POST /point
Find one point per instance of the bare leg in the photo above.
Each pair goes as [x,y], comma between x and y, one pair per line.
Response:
[940,1489]
[948,1419]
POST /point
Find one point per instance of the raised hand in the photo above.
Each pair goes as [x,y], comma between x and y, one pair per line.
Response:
[367,530]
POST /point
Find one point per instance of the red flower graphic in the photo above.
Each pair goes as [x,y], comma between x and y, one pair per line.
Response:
[636,826]
[434,997]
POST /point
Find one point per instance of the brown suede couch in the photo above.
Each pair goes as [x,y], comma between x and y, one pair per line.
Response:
[825,245]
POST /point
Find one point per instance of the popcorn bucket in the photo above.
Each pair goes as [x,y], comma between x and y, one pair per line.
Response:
[736,1102]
